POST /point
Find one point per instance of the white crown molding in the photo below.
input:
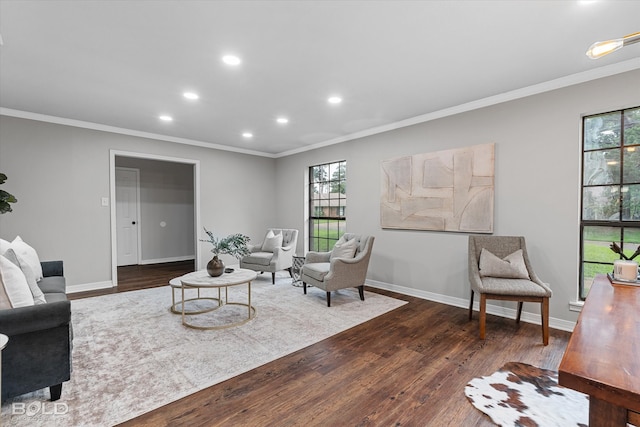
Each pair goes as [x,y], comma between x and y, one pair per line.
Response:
[570,80]
[124,131]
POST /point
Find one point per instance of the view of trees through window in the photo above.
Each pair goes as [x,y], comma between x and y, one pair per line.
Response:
[327,205]
[610,221]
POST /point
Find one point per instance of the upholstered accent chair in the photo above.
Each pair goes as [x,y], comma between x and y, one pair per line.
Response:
[274,253]
[344,267]
[499,269]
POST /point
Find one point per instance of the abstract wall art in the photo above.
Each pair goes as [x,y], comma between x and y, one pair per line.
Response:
[450,190]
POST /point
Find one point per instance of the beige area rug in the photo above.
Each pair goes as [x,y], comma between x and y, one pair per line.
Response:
[132,355]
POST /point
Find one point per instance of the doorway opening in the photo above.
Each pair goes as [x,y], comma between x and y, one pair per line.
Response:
[154,218]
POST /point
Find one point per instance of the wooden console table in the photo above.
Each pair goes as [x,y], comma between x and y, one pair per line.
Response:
[603,355]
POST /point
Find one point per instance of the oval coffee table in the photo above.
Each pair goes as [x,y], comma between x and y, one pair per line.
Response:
[176,286]
[201,280]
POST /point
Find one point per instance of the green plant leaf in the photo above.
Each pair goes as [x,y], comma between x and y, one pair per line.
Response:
[5,198]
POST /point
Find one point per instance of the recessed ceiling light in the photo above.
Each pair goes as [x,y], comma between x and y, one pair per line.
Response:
[247,135]
[166,118]
[231,60]
[334,100]
[190,95]
[282,120]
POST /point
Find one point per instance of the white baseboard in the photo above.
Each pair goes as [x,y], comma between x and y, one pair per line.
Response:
[162,260]
[563,325]
[84,287]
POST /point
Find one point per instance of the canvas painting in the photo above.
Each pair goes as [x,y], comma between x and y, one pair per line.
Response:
[450,190]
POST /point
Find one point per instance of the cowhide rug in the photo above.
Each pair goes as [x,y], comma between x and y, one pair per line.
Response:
[523,395]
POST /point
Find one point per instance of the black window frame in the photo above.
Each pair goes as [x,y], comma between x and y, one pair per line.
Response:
[318,219]
[626,227]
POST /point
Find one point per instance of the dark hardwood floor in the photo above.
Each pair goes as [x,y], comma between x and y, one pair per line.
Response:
[133,277]
[405,368]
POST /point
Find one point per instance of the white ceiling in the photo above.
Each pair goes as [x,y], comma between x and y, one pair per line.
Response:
[123,63]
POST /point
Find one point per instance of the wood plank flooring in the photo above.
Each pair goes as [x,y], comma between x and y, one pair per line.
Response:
[133,277]
[405,368]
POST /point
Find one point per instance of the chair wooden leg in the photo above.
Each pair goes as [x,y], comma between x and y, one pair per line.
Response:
[545,321]
[361,292]
[273,278]
[471,306]
[304,287]
[290,272]
[328,299]
[483,315]
[520,304]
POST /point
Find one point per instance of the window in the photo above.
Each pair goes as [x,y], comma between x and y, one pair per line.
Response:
[327,205]
[610,218]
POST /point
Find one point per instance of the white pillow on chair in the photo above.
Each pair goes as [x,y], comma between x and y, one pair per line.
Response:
[344,249]
[272,242]
[510,267]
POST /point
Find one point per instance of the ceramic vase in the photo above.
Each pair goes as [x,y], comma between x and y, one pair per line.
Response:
[215,267]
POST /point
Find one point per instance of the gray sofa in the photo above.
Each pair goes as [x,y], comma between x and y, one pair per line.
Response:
[38,354]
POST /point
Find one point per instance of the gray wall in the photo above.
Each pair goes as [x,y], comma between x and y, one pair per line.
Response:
[60,173]
[166,197]
[537,189]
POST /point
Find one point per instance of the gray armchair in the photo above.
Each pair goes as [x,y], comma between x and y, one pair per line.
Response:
[524,286]
[331,273]
[265,256]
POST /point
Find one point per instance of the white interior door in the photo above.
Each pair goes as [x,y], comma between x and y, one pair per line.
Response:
[127,183]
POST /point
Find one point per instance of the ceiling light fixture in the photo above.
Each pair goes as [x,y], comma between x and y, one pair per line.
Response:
[191,95]
[166,118]
[282,120]
[247,135]
[231,60]
[334,100]
[600,49]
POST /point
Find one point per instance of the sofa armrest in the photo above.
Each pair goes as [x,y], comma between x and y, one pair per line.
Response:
[52,268]
[21,320]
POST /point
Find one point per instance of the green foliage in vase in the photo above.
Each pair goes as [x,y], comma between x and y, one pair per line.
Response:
[234,244]
[5,198]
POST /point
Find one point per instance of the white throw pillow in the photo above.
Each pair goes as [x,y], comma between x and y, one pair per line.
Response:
[344,249]
[28,254]
[5,303]
[272,242]
[4,245]
[15,284]
[36,292]
[511,267]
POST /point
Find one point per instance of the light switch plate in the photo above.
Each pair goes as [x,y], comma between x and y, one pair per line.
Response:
[105,201]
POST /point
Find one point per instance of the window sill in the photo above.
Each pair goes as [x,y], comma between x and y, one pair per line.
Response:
[576,305]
